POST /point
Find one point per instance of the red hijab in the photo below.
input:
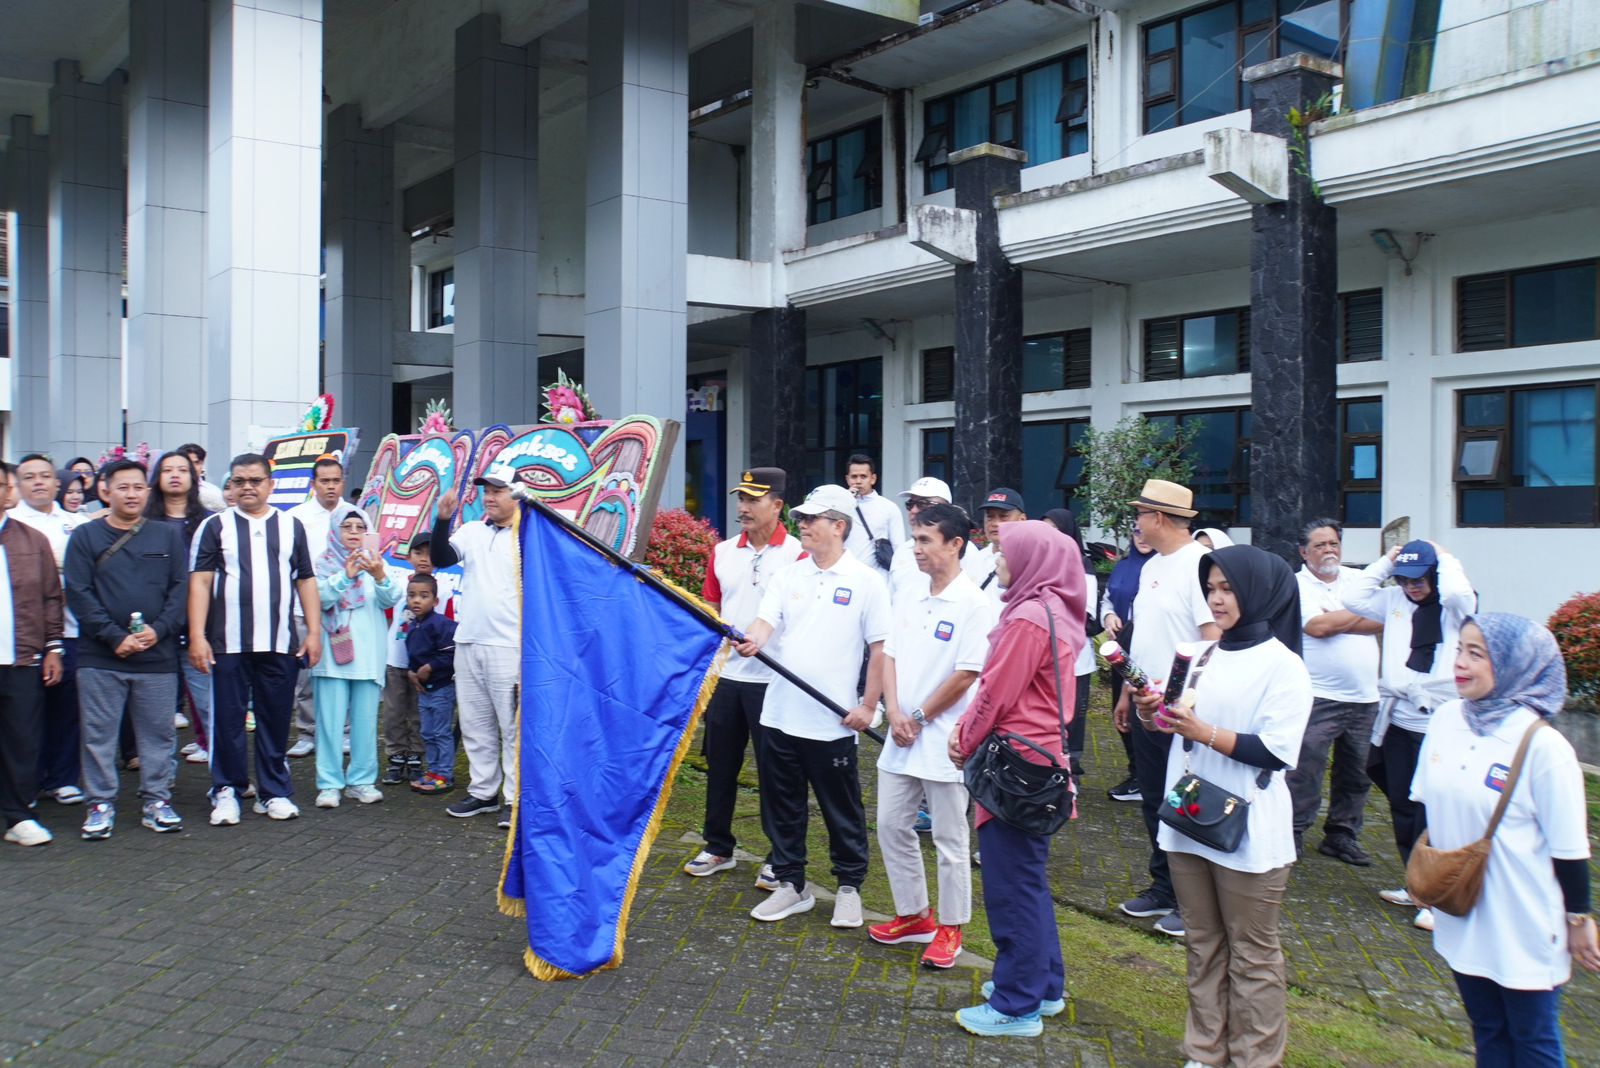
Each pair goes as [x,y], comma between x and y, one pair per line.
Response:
[1046,580]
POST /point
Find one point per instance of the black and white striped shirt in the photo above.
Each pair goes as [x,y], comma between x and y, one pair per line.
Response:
[255,563]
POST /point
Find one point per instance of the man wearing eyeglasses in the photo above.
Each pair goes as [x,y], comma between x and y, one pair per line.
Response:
[736,575]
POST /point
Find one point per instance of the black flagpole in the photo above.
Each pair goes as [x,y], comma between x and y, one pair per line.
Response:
[644,574]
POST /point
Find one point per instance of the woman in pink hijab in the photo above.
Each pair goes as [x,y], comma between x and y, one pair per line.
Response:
[1018,692]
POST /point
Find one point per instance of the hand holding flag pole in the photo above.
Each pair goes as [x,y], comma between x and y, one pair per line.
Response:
[644,574]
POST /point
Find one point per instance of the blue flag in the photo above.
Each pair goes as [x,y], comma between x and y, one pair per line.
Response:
[615,674]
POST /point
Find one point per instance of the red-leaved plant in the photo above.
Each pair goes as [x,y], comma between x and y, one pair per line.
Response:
[680,545]
[1576,626]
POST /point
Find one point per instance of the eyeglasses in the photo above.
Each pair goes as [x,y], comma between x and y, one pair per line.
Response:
[241,481]
[921,502]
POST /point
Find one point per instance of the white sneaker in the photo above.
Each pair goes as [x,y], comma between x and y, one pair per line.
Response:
[1396,897]
[199,756]
[179,721]
[785,901]
[28,833]
[225,808]
[847,908]
[277,808]
[67,795]
[303,746]
[766,880]
[1423,919]
[327,798]
[192,747]
[367,794]
[706,863]
[347,745]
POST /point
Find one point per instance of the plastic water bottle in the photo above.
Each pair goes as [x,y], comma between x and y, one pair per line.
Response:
[136,623]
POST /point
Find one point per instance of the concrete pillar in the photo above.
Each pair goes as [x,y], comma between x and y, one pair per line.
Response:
[263,218]
[987,442]
[361,282]
[775,392]
[88,207]
[496,377]
[167,82]
[25,186]
[1294,305]
[775,382]
[635,304]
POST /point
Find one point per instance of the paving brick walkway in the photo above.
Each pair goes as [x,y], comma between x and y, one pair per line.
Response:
[368,935]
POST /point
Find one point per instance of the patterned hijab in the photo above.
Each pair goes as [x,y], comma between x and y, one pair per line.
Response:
[331,563]
[1528,672]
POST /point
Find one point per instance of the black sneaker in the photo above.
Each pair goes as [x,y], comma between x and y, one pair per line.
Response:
[505,818]
[472,806]
[1146,905]
[1126,790]
[1345,848]
[413,766]
[394,772]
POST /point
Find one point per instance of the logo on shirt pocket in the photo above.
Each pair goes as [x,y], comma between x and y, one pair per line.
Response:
[1496,779]
[944,631]
[841,596]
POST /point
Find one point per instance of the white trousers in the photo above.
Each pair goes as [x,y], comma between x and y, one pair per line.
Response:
[899,797]
[486,694]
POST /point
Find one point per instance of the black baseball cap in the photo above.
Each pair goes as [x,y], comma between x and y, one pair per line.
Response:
[760,481]
[1003,499]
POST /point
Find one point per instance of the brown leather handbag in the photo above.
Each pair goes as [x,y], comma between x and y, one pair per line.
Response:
[1451,879]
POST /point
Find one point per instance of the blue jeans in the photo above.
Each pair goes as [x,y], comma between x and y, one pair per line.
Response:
[437,711]
[1022,919]
[1511,1028]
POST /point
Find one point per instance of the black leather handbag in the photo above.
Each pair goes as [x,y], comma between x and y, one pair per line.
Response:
[1201,809]
[1034,798]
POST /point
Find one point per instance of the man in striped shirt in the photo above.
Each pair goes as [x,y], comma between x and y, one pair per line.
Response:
[249,564]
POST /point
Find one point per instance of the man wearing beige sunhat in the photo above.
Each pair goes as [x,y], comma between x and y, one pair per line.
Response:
[1170,608]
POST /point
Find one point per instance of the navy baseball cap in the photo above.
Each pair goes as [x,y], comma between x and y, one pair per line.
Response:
[1003,499]
[1416,559]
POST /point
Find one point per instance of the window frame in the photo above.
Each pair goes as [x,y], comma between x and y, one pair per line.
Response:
[817,418]
[937,465]
[873,155]
[1080,336]
[938,138]
[947,355]
[1243,341]
[1344,355]
[1502,434]
[1237,480]
[1068,452]
[1348,441]
[1507,285]
[436,317]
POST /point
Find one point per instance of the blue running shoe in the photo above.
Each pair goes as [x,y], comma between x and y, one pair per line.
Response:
[982,1020]
[924,823]
[1046,1008]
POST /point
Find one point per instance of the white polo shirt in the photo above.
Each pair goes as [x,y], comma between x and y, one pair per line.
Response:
[489,613]
[56,525]
[821,618]
[736,578]
[932,638]
[906,579]
[1344,667]
[883,520]
[1516,934]
[1169,608]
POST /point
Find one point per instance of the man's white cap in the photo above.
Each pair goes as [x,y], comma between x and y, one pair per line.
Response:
[827,499]
[928,487]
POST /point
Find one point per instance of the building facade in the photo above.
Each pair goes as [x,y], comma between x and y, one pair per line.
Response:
[716,211]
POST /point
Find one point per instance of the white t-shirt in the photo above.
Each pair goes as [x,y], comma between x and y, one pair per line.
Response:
[739,574]
[821,620]
[1344,667]
[906,579]
[56,525]
[490,614]
[884,520]
[1516,935]
[1413,691]
[1266,691]
[933,638]
[1170,608]
[1091,589]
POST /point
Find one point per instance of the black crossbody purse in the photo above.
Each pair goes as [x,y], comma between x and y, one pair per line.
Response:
[1201,809]
[1035,798]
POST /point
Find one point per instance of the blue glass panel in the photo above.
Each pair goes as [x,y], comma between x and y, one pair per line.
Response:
[1160,117]
[1554,305]
[1211,345]
[1364,417]
[1483,507]
[1041,100]
[972,118]
[1363,509]
[1363,462]
[1312,28]
[1043,449]
[850,192]
[1161,38]
[1044,364]
[1209,46]
[1483,409]
[1552,437]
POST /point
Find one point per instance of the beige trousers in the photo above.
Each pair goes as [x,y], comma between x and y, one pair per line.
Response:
[1237,992]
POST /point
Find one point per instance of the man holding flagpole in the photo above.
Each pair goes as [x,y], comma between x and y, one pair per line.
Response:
[820,613]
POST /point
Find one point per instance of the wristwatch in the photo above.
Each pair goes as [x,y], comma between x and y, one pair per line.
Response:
[1575,919]
[917,714]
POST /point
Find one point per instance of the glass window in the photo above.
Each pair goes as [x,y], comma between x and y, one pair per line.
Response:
[1207,47]
[1361,462]
[1051,465]
[844,175]
[1219,449]
[1361,326]
[844,415]
[1043,109]
[441,298]
[1193,346]
[936,460]
[1534,306]
[1536,467]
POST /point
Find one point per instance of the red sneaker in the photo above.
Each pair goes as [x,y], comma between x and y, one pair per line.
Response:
[904,929]
[945,948]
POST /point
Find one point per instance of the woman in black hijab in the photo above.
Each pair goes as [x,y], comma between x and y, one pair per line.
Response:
[1251,701]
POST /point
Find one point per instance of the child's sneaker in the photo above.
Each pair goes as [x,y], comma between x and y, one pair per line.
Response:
[395,772]
[413,765]
[432,783]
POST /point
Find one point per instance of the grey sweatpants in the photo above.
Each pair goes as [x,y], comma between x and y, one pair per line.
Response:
[149,698]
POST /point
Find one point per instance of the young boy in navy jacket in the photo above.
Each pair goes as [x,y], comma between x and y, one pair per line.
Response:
[431,652]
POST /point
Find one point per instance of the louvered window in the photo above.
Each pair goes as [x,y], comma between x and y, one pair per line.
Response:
[1055,361]
[1361,326]
[1195,346]
[938,374]
[1533,306]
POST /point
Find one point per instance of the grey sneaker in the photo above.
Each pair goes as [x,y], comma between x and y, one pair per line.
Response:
[707,864]
[1146,905]
[1172,924]
[847,908]
[303,746]
[367,794]
[785,901]
[160,817]
[98,821]
[766,880]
